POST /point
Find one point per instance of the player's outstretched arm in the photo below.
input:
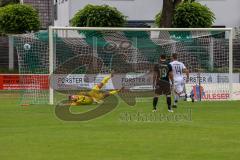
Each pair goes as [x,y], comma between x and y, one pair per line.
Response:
[154,79]
[170,76]
[155,76]
[170,73]
[116,91]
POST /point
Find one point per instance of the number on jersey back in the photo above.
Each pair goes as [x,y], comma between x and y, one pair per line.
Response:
[177,68]
[163,69]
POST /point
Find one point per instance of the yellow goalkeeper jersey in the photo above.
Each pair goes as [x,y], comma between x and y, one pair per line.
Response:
[94,95]
[89,98]
[84,100]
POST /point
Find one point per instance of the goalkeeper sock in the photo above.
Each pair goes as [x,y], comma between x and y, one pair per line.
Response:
[103,83]
[155,101]
[106,79]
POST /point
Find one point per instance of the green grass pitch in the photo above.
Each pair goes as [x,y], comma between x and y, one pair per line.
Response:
[35,133]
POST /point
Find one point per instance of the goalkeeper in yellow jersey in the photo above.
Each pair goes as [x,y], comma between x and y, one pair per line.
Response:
[94,95]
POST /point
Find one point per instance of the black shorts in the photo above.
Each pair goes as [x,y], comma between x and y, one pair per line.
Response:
[163,88]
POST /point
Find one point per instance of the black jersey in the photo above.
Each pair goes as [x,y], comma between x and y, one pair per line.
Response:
[162,70]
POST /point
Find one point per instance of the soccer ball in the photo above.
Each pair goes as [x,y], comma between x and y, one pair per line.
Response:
[27,46]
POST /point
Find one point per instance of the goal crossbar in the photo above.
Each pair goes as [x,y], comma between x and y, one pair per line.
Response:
[138,29]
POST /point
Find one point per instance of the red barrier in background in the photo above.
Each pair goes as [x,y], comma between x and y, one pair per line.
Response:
[19,82]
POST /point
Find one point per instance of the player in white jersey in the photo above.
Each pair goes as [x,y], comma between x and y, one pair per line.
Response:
[178,70]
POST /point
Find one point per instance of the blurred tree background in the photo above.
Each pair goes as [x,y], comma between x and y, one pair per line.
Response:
[184,13]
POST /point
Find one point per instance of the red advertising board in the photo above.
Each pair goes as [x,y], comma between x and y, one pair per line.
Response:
[19,82]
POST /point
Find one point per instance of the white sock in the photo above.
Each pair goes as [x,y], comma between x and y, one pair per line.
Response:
[176,97]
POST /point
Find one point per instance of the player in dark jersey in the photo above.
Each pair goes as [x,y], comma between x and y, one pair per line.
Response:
[161,82]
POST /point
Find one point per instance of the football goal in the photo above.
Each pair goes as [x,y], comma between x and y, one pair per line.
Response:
[67,60]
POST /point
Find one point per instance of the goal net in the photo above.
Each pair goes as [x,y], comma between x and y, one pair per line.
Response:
[67,60]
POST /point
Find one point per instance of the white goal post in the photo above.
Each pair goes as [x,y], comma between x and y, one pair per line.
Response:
[67,32]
